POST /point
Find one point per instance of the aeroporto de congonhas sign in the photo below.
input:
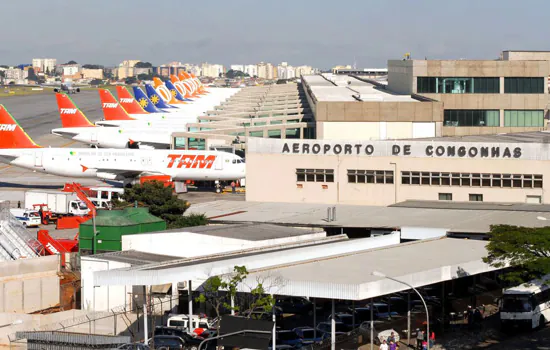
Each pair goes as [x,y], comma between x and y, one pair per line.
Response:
[418,149]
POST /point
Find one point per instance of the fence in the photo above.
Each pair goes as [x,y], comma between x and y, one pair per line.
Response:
[127,320]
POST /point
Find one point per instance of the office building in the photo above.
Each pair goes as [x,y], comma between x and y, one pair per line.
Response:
[212,70]
[44,65]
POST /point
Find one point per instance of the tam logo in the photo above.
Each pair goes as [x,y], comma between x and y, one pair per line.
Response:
[52,248]
[68,111]
[7,127]
[110,105]
[126,100]
[190,161]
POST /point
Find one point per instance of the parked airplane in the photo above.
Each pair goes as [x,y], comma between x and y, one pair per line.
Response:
[115,115]
[66,86]
[18,149]
[78,128]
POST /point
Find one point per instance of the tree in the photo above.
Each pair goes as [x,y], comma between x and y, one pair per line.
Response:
[232,74]
[162,203]
[526,250]
[92,66]
[2,74]
[143,65]
[130,80]
[145,77]
[71,62]
[32,75]
[218,291]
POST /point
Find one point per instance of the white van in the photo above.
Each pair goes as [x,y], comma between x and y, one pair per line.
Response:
[181,322]
[29,218]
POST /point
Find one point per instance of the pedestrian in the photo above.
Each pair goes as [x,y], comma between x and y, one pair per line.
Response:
[391,338]
[393,345]
[384,346]
[432,339]
[233,186]
[419,338]
[18,204]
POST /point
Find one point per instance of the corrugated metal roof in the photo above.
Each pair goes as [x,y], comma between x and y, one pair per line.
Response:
[248,231]
[134,257]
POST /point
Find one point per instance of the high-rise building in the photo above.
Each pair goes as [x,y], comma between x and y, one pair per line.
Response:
[265,70]
[239,67]
[251,70]
[303,70]
[284,71]
[44,64]
[126,69]
[211,70]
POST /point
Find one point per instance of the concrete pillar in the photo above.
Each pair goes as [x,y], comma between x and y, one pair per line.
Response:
[332,329]
[190,303]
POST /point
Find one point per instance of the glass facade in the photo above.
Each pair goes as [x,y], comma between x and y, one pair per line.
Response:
[527,118]
[471,117]
[524,85]
[463,85]
[432,178]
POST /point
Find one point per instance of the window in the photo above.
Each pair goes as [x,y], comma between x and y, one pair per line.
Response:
[471,117]
[476,197]
[457,85]
[315,175]
[370,176]
[524,85]
[471,179]
[527,118]
[445,196]
[533,199]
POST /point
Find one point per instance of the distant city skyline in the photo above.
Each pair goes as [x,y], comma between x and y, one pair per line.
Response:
[317,33]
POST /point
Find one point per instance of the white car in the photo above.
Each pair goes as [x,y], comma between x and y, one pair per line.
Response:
[29,218]
[181,322]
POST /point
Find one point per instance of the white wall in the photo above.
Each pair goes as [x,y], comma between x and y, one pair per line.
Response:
[376,130]
[101,298]
[188,244]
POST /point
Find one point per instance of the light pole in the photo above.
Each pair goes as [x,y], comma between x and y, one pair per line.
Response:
[380,274]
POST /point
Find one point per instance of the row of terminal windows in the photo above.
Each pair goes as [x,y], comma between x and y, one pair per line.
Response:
[467,85]
[448,85]
[481,117]
[370,176]
[425,178]
[315,175]
[471,179]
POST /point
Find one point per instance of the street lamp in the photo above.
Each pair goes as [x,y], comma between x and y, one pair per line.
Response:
[14,323]
[380,274]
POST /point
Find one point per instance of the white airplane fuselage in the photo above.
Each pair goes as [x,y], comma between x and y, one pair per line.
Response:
[120,164]
[116,137]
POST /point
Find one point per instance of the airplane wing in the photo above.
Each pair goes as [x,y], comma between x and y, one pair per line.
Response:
[122,174]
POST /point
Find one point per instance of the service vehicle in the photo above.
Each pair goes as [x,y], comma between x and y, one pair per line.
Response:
[29,218]
[55,204]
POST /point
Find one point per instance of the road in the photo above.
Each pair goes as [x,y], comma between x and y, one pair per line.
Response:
[38,114]
[528,340]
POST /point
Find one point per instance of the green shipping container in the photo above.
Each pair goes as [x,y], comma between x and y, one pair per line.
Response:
[111,225]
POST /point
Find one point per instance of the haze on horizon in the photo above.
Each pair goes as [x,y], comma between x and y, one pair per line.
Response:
[320,33]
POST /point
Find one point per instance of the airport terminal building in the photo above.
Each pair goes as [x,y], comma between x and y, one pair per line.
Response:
[482,169]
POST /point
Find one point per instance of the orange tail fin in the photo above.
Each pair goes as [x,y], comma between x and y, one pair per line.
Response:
[111,108]
[11,134]
[128,102]
[71,116]
[157,82]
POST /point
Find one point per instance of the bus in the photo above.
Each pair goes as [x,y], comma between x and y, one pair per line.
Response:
[526,305]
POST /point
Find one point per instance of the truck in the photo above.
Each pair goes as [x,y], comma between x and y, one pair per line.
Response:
[54,204]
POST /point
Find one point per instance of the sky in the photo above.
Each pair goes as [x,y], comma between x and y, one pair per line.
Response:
[320,33]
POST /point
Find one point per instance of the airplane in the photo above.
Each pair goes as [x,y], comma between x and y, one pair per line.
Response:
[77,127]
[115,115]
[18,149]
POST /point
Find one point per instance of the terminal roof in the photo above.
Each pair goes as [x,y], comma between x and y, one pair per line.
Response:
[134,257]
[520,137]
[346,88]
[436,216]
[248,231]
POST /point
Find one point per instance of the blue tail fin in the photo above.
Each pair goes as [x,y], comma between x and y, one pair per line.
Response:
[175,91]
[155,97]
[144,101]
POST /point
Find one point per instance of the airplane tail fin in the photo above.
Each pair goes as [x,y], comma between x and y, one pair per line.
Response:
[128,102]
[155,97]
[157,82]
[71,115]
[182,88]
[111,108]
[144,101]
[174,91]
[12,134]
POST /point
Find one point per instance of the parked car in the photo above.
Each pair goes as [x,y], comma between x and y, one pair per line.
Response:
[346,319]
[294,305]
[29,218]
[134,346]
[168,342]
[189,341]
[289,338]
[308,335]
[380,311]
[200,323]
[325,328]
[397,304]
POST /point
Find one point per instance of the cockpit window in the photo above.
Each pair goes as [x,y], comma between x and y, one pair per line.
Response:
[238,161]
